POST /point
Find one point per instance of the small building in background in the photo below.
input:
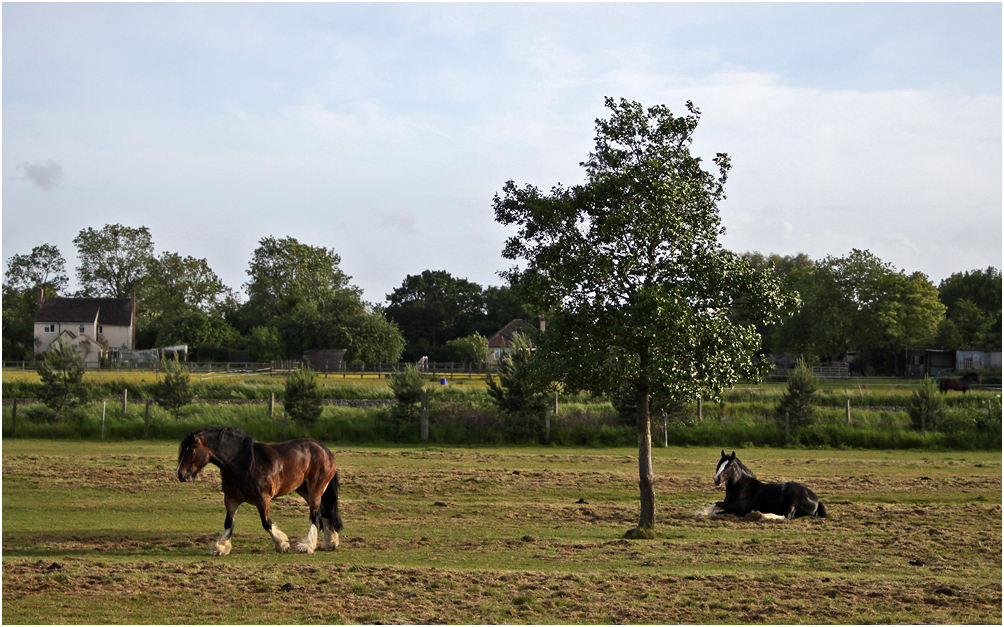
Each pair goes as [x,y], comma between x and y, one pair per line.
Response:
[500,343]
[328,360]
[95,327]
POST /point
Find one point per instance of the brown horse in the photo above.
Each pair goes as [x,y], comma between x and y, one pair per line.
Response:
[256,473]
[958,384]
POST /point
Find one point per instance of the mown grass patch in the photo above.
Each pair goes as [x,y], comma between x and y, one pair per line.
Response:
[102,533]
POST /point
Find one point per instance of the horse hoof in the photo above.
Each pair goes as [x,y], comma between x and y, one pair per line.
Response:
[282,548]
[221,549]
[302,548]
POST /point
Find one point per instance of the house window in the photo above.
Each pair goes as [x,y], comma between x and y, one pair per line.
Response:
[49,328]
[101,329]
[81,329]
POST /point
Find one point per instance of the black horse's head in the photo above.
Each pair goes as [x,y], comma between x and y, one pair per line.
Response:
[730,469]
[218,445]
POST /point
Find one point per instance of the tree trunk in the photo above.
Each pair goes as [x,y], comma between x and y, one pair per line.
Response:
[645,476]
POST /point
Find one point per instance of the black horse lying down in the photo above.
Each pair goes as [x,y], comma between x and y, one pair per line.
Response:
[744,493]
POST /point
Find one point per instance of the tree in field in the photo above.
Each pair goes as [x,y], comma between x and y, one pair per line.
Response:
[113,261]
[522,384]
[285,274]
[858,302]
[264,344]
[925,406]
[303,396]
[61,370]
[799,400]
[174,390]
[472,349]
[638,292]
[434,307]
[408,386]
[44,268]
[175,283]
[973,300]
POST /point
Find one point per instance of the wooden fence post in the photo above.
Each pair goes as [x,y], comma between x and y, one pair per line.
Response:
[847,411]
[146,421]
[125,401]
[271,405]
[700,409]
[665,430]
[103,403]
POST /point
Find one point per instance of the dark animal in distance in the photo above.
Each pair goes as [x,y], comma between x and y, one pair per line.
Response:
[254,472]
[960,385]
[744,493]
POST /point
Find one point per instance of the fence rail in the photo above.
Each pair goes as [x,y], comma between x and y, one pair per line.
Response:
[346,370]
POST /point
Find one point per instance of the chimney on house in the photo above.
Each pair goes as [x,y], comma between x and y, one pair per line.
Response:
[543,323]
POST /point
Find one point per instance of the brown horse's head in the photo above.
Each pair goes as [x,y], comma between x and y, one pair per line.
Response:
[192,456]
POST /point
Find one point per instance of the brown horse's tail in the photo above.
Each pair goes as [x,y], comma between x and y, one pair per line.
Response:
[329,503]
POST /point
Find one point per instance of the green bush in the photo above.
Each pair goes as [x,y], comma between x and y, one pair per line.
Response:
[303,397]
[62,373]
[174,391]
[926,406]
[798,402]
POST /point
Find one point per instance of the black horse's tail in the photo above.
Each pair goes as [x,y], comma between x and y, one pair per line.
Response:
[329,503]
[821,510]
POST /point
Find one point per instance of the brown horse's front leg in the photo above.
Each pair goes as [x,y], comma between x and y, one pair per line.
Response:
[280,539]
[222,546]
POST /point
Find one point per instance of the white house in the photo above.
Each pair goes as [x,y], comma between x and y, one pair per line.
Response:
[93,326]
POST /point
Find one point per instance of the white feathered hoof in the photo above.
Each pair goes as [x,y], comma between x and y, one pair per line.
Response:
[221,548]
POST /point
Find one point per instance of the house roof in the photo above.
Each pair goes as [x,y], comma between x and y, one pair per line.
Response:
[116,311]
[503,337]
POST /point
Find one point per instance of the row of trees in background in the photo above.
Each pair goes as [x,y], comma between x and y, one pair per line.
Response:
[299,299]
[859,303]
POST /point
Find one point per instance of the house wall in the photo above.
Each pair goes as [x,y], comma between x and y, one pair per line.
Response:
[116,336]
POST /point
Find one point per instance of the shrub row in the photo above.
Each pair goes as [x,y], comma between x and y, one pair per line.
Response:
[455,423]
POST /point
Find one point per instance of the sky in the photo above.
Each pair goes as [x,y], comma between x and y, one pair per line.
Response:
[383,131]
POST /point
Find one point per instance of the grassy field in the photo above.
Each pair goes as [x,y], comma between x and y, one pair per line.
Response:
[98,532]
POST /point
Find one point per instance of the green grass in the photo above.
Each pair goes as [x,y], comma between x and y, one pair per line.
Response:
[490,535]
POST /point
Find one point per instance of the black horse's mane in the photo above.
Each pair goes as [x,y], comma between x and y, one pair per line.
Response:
[740,470]
[231,444]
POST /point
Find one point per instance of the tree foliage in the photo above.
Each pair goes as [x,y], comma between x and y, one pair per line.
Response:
[522,383]
[925,406]
[799,399]
[113,261]
[303,396]
[858,302]
[43,267]
[638,292]
[435,306]
[285,274]
[174,391]
[61,370]
[408,385]
[472,349]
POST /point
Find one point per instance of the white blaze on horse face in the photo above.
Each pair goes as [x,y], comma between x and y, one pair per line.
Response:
[721,468]
[308,543]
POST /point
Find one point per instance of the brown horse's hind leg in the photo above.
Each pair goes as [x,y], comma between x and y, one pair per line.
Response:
[280,539]
[309,542]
